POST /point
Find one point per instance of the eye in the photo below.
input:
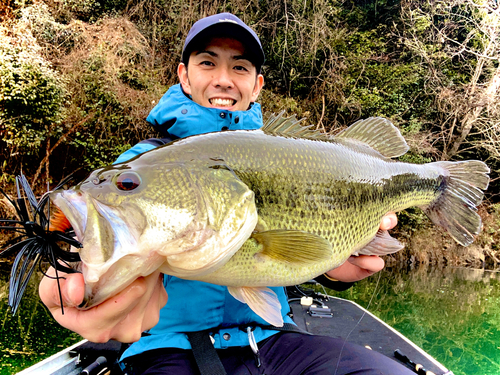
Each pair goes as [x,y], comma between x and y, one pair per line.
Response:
[128,181]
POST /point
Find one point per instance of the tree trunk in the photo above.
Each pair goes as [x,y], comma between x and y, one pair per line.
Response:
[486,99]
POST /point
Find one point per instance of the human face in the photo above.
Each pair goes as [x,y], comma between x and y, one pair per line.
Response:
[220,76]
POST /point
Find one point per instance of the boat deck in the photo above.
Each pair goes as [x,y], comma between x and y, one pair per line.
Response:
[341,318]
[326,315]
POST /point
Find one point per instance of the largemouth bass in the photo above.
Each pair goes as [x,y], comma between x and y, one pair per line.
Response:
[252,209]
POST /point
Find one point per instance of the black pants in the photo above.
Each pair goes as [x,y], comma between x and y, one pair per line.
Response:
[282,354]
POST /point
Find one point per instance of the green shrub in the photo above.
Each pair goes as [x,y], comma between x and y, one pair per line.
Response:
[32,95]
[88,10]
[112,90]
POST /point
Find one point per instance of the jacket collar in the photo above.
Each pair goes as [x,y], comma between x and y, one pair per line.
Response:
[178,115]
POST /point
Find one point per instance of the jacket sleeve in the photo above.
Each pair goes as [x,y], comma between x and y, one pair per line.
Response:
[336,285]
[142,147]
[134,151]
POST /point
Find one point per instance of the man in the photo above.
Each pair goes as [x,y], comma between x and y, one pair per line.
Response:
[219,82]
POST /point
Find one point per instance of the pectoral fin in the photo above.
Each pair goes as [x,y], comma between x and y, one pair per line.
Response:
[263,301]
[293,246]
[382,244]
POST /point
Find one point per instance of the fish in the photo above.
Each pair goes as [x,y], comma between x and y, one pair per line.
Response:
[252,209]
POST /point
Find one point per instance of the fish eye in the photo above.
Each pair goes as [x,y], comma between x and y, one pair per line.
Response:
[128,181]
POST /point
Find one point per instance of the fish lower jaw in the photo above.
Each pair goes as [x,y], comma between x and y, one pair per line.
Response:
[105,281]
[92,274]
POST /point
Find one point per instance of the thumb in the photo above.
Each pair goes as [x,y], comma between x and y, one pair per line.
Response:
[72,289]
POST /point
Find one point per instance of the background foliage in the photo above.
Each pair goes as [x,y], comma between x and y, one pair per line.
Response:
[78,78]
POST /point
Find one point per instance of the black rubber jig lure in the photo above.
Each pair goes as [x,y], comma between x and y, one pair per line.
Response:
[36,243]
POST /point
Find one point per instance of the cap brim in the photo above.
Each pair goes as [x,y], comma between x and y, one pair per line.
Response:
[230,30]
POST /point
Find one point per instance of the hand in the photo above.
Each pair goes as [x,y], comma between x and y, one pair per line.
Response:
[122,317]
[358,267]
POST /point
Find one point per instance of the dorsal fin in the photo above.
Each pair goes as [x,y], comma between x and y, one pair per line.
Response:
[277,124]
[378,133]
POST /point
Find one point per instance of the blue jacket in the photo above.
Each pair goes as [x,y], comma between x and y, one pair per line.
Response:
[195,305]
[178,116]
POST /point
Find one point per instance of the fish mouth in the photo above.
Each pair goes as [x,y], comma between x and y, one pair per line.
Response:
[72,207]
[84,212]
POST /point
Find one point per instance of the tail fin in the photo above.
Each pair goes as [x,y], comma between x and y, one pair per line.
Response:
[455,210]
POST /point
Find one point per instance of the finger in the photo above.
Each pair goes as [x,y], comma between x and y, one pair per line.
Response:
[145,314]
[154,304]
[162,301]
[389,221]
[72,289]
[370,263]
[102,323]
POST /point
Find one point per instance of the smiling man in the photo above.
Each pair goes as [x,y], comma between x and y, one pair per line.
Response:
[220,80]
[221,75]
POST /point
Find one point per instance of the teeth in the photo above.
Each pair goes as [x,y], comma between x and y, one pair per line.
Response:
[222,102]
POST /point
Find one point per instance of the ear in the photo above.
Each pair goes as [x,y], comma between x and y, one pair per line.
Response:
[183,78]
[259,83]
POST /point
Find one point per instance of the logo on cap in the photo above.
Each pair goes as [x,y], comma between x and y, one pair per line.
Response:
[228,20]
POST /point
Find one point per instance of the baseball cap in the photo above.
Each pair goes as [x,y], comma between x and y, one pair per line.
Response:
[224,24]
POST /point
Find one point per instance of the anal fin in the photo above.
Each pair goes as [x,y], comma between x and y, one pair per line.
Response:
[382,244]
[262,300]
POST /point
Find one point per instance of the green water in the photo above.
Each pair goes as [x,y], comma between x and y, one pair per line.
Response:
[32,334]
[453,314]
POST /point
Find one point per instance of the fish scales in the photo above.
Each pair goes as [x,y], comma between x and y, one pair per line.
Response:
[324,191]
[253,209]
[323,194]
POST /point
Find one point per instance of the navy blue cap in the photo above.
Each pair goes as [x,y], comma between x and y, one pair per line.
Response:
[224,24]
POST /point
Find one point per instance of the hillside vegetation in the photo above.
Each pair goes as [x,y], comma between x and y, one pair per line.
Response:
[78,78]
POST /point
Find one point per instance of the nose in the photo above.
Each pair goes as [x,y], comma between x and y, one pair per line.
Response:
[222,79]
